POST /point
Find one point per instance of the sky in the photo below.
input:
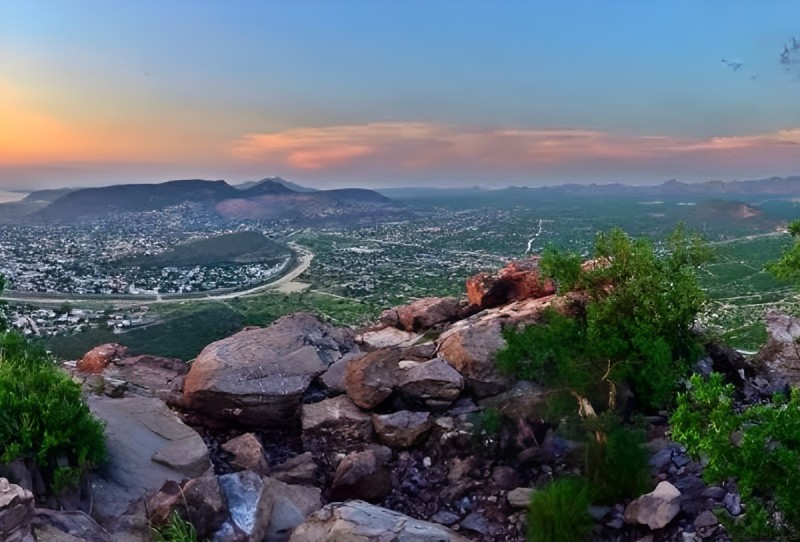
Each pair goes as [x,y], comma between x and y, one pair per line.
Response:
[397,92]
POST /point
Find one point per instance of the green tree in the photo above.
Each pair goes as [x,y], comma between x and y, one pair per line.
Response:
[787,267]
[636,326]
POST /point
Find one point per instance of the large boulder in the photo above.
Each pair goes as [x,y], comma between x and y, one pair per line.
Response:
[470,346]
[516,281]
[96,359]
[358,520]
[16,512]
[524,399]
[371,379]
[149,375]
[147,446]
[335,424]
[257,377]
[60,525]
[423,313]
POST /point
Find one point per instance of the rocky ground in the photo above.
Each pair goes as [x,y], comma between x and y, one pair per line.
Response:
[302,431]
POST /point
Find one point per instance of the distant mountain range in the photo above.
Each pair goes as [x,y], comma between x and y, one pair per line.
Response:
[780,186]
[277,180]
[272,199]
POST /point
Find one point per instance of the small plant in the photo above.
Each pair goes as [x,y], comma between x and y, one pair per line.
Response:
[617,463]
[486,425]
[176,529]
[560,512]
[42,416]
[758,447]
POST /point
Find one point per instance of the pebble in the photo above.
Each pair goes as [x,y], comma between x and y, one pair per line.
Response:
[426,462]
[733,504]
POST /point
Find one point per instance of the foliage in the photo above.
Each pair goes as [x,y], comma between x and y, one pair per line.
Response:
[559,512]
[758,446]
[563,267]
[787,267]
[42,415]
[617,462]
[637,322]
[177,529]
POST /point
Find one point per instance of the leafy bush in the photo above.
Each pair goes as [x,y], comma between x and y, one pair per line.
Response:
[787,267]
[560,512]
[42,415]
[617,464]
[758,446]
[636,326]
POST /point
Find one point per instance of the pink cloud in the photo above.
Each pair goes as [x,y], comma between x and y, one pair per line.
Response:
[420,145]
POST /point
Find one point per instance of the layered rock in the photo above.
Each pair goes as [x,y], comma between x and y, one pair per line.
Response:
[16,512]
[147,446]
[371,379]
[431,384]
[335,424]
[357,520]
[257,377]
[516,281]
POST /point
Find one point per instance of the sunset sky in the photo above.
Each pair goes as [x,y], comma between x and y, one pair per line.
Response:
[397,93]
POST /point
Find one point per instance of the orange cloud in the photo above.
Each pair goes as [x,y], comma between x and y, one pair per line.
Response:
[420,145]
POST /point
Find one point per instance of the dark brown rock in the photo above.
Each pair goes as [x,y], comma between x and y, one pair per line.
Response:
[516,281]
[300,469]
[402,429]
[363,475]
[371,379]
[257,378]
[335,424]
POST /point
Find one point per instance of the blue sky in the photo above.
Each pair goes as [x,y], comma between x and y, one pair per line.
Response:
[369,93]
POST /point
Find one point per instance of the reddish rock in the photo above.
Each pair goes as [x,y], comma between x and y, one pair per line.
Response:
[161,376]
[516,281]
[96,359]
[247,454]
[371,379]
[423,313]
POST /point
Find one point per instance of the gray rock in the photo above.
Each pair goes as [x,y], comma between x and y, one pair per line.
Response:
[359,521]
[363,475]
[476,522]
[292,505]
[16,512]
[655,509]
[257,377]
[525,398]
[520,498]
[433,384]
[733,504]
[147,446]
[249,503]
[54,523]
[248,454]
[706,523]
[131,529]
[335,424]
[204,504]
[402,429]
[387,337]
[445,518]
[300,469]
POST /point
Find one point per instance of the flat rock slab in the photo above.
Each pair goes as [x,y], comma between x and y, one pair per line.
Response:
[147,446]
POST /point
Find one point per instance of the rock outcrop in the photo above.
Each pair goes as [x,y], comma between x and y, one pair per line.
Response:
[516,281]
[258,377]
[424,313]
[16,512]
[96,359]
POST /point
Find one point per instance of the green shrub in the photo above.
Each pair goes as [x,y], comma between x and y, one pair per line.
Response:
[617,465]
[42,416]
[177,529]
[758,447]
[636,326]
[486,426]
[562,267]
[560,512]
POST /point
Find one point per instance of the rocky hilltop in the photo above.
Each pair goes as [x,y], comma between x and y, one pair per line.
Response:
[303,431]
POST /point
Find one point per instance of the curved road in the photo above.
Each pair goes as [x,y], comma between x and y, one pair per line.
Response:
[304,257]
